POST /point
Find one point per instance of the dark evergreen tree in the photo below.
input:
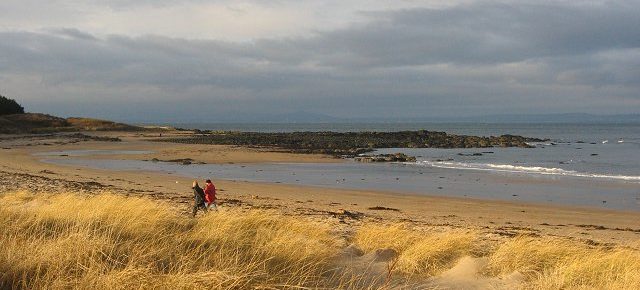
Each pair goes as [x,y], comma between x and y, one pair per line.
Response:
[9,106]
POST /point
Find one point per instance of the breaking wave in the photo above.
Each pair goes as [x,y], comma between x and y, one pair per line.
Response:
[520,169]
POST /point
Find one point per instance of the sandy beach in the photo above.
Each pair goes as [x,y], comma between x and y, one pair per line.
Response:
[21,169]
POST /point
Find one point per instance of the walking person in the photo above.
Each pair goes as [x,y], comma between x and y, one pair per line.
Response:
[210,195]
[198,198]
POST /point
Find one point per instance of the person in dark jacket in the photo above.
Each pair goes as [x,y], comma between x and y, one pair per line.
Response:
[198,198]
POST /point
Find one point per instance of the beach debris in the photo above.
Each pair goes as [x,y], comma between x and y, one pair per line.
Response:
[182,161]
[230,201]
[383,208]
[343,213]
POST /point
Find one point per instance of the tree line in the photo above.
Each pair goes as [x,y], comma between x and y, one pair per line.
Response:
[9,106]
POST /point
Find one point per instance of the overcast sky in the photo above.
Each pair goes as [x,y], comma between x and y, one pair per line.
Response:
[198,60]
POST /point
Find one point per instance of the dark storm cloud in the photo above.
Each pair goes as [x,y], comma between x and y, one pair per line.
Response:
[467,59]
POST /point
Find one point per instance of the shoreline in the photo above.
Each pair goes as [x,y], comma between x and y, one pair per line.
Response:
[388,193]
[391,179]
[344,207]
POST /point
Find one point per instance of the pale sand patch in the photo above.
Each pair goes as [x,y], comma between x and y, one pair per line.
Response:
[467,274]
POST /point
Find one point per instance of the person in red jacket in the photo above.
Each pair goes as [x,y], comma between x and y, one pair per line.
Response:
[210,195]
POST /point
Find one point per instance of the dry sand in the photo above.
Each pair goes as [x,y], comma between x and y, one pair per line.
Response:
[347,209]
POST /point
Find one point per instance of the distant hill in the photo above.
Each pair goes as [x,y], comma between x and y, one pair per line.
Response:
[514,118]
[289,117]
[557,118]
[43,123]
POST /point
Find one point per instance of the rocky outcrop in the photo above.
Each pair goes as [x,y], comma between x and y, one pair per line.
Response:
[351,143]
[397,157]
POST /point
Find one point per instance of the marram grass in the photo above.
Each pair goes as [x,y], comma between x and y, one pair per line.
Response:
[115,242]
[551,263]
[109,241]
[419,253]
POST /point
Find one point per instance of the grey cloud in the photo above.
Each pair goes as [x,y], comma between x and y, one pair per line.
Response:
[467,59]
[482,33]
[74,33]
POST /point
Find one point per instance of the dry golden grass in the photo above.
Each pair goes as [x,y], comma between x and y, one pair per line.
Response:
[118,242]
[554,263]
[435,253]
[419,253]
[108,241]
[395,236]
[99,125]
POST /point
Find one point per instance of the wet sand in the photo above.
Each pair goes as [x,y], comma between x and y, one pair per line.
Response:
[20,169]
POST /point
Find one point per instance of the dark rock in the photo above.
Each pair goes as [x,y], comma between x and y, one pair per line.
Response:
[397,157]
[183,161]
[351,144]
[84,137]
[470,154]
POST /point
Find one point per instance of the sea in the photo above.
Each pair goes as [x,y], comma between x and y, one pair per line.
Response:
[586,165]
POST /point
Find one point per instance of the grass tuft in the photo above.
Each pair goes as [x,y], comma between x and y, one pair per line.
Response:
[554,263]
[419,253]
